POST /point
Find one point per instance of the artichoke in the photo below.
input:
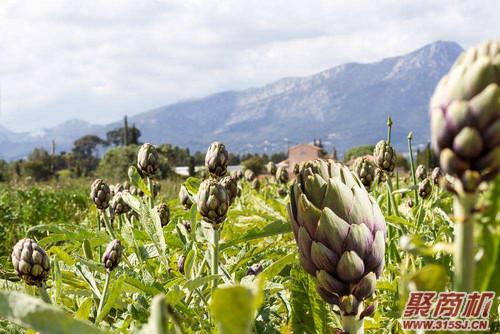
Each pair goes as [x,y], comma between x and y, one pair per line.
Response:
[136,191]
[436,175]
[156,188]
[180,263]
[380,175]
[118,205]
[148,160]
[164,213]
[116,189]
[282,175]
[249,175]
[424,188]
[100,194]
[212,202]
[30,262]
[410,203]
[256,184]
[271,168]
[296,169]
[421,172]
[255,269]
[238,174]
[385,156]
[340,232]
[231,185]
[184,197]
[216,159]
[112,255]
[465,116]
[365,169]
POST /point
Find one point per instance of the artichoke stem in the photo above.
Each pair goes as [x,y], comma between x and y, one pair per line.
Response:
[150,187]
[43,293]
[215,253]
[412,167]
[352,324]
[464,242]
[392,199]
[103,294]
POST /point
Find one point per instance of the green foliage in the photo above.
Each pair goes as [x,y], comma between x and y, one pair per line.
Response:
[255,164]
[39,165]
[116,161]
[358,151]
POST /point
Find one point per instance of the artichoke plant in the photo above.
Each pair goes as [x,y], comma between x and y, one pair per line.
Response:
[184,198]
[421,172]
[436,176]
[271,168]
[365,169]
[282,175]
[231,185]
[340,232]
[256,184]
[424,188]
[100,194]
[30,262]
[212,202]
[164,213]
[118,205]
[296,169]
[148,160]
[385,156]
[216,159]
[112,255]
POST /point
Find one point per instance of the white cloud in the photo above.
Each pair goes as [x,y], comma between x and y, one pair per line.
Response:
[97,60]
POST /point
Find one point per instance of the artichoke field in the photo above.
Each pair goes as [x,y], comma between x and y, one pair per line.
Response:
[326,248]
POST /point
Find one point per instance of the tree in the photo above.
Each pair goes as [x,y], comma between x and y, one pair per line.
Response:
[255,164]
[358,151]
[39,165]
[116,136]
[85,150]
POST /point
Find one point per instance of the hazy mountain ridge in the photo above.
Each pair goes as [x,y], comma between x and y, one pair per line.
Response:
[346,105]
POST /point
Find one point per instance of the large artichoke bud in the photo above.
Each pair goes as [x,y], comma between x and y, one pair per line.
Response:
[296,169]
[212,202]
[216,159]
[184,197]
[282,175]
[231,185]
[112,255]
[271,168]
[424,188]
[365,169]
[436,175]
[421,172]
[465,116]
[100,194]
[31,262]
[164,213]
[118,205]
[249,175]
[385,156]
[340,232]
[148,159]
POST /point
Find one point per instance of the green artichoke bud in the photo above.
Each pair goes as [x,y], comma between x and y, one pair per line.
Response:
[385,156]
[424,188]
[216,159]
[340,231]
[184,198]
[380,175]
[296,169]
[212,202]
[365,169]
[30,262]
[164,213]
[282,175]
[231,185]
[436,176]
[118,205]
[148,160]
[249,175]
[256,184]
[112,255]
[421,172]
[271,168]
[465,116]
[100,194]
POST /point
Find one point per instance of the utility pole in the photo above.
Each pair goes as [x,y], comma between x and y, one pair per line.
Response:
[125,132]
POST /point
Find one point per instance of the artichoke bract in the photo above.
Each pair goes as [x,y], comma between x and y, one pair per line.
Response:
[421,172]
[148,160]
[216,159]
[112,255]
[282,175]
[296,169]
[231,185]
[212,202]
[271,168]
[424,188]
[100,194]
[164,213]
[436,176]
[465,116]
[30,262]
[385,156]
[365,169]
[184,198]
[118,205]
[340,232]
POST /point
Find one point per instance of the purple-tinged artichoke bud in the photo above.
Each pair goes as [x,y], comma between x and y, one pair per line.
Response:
[180,263]
[118,205]
[410,203]
[164,213]
[256,184]
[385,156]
[436,176]
[421,172]
[212,202]
[271,168]
[156,188]
[365,169]
[255,269]
[465,117]
[296,169]
[282,175]
[216,159]
[249,175]
[187,225]
[112,255]
[231,185]
[116,189]
[100,194]
[424,188]
[148,160]
[184,198]
[30,262]
[136,191]
[340,232]
[282,192]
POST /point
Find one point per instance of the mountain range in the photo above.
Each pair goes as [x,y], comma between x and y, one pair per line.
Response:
[345,106]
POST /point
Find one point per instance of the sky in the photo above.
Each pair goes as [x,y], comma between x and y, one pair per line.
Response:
[100,60]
